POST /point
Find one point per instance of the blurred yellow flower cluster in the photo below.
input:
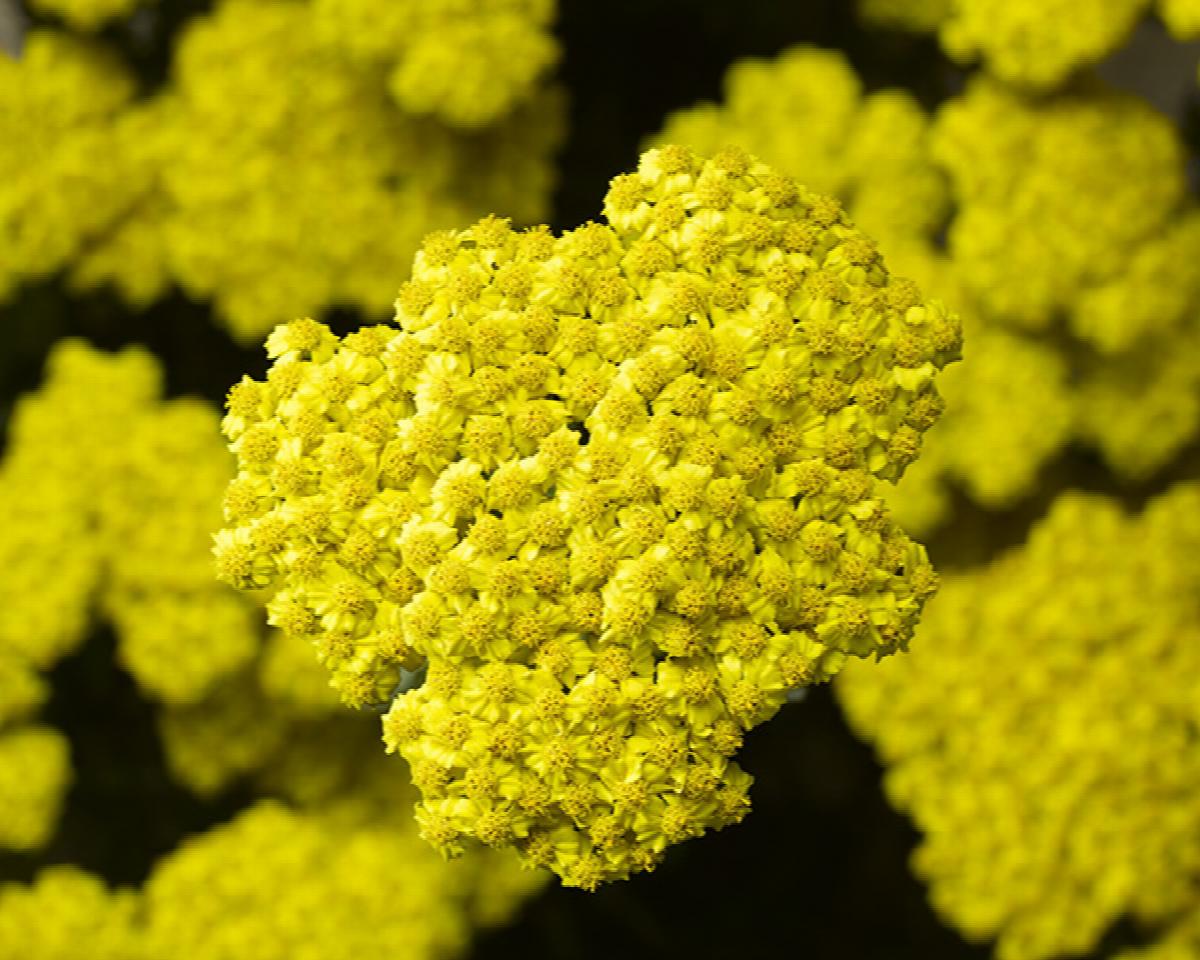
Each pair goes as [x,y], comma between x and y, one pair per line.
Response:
[610,495]
[467,62]
[1070,210]
[65,911]
[1036,45]
[329,881]
[274,173]
[59,102]
[1042,732]
[111,493]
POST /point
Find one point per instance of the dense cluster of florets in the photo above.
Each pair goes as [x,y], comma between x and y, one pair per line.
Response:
[1073,210]
[611,495]
[467,62]
[1031,234]
[58,102]
[64,912]
[1042,730]
[234,890]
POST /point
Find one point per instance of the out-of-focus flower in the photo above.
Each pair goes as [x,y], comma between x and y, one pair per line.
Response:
[1042,730]
[1056,196]
[287,178]
[1182,17]
[57,102]
[467,62]
[67,913]
[1036,45]
[274,172]
[111,494]
[609,495]
[365,878]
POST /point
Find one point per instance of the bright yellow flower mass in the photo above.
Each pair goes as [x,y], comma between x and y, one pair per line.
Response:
[1042,731]
[597,502]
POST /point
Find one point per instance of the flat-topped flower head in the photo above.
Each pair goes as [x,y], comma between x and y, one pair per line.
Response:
[610,494]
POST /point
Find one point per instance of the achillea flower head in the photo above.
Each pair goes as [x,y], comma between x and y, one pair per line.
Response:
[1038,44]
[227,736]
[1009,405]
[113,493]
[1041,732]
[606,497]
[1054,196]
[1033,45]
[1140,408]
[270,128]
[57,101]
[466,62]
[364,884]
[66,911]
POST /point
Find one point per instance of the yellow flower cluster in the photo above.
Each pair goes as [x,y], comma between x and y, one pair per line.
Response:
[610,495]
[332,882]
[86,14]
[1075,208]
[233,892]
[268,126]
[1055,196]
[1042,731]
[66,914]
[1010,410]
[1038,45]
[57,102]
[467,62]
[131,254]
[111,494]
[805,113]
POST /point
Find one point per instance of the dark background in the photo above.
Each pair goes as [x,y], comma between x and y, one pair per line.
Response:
[820,866]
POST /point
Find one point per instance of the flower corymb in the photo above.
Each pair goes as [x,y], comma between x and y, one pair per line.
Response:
[597,502]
